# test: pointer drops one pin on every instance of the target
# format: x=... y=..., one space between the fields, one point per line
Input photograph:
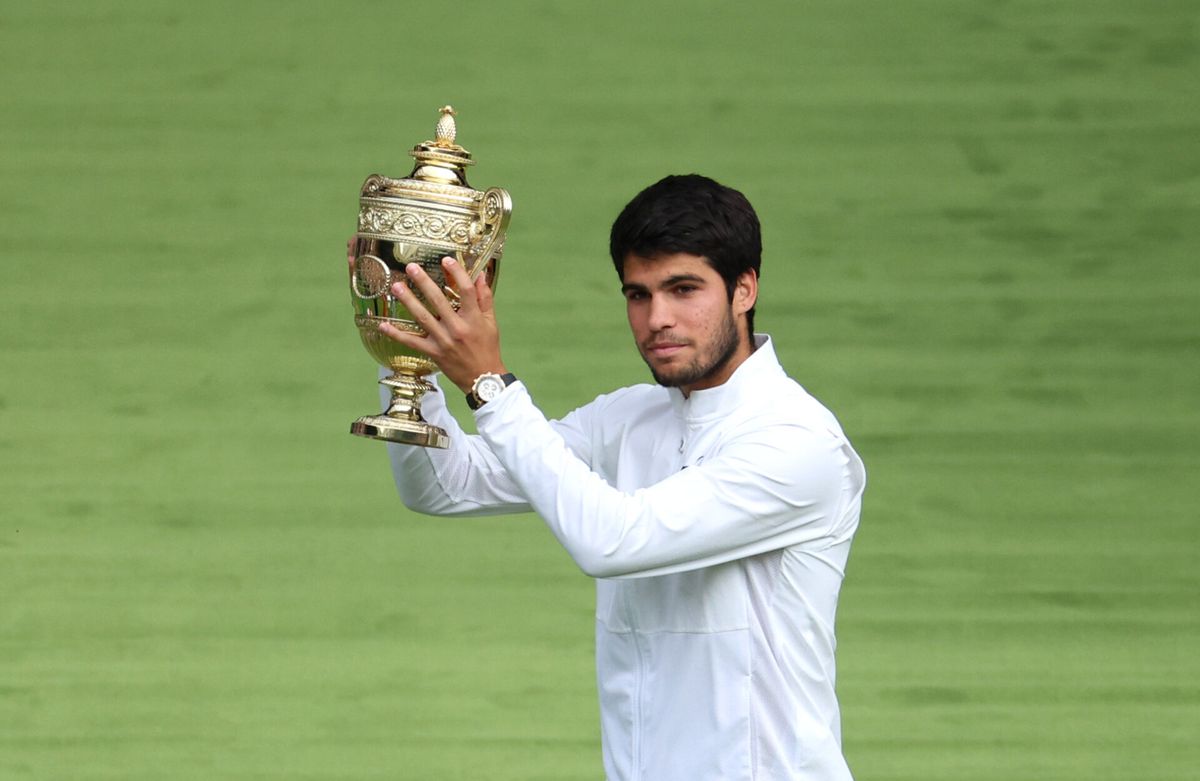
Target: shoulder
x=797 y=431
x=779 y=400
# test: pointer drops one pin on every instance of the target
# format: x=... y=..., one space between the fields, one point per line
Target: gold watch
x=487 y=387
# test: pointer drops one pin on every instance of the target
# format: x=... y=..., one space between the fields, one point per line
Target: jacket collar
x=741 y=386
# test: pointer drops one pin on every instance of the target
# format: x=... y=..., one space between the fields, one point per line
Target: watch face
x=489 y=388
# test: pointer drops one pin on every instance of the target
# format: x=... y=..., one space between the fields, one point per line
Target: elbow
x=596 y=564
x=600 y=554
x=420 y=499
x=598 y=570
x=416 y=506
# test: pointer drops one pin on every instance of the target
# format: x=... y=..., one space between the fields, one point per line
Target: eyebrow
x=666 y=283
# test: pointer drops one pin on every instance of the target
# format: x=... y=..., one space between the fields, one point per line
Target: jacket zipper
x=635 y=763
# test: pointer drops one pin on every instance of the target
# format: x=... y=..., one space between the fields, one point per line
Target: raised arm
x=775 y=486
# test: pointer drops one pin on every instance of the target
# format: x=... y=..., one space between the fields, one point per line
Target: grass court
x=981 y=228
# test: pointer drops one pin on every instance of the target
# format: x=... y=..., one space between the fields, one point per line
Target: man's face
x=688 y=331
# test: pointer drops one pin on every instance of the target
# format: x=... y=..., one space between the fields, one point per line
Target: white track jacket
x=717 y=527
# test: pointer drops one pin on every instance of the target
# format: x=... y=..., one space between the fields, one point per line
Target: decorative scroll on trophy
x=422 y=218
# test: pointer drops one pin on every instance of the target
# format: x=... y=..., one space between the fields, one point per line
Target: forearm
x=463 y=479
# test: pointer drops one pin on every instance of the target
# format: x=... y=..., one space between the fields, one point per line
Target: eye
x=635 y=295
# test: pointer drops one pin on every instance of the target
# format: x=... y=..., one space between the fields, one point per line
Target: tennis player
x=715 y=507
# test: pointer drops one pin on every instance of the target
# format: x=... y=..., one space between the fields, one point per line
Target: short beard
x=702 y=368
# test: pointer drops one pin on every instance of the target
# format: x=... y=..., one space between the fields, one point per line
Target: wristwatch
x=487 y=387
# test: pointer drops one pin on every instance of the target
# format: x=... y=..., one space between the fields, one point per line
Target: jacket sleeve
x=769 y=487
x=465 y=479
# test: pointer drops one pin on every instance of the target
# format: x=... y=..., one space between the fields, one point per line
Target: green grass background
x=982 y=225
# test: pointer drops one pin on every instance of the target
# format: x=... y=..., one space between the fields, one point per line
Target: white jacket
x=718 y=527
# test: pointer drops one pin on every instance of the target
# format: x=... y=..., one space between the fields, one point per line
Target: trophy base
x=404 y=432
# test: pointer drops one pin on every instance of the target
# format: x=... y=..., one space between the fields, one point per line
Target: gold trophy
x=422 y=218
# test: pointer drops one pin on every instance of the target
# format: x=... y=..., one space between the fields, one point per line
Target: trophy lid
x=441 y=160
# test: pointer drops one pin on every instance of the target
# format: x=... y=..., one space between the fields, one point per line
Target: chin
x=670 y=379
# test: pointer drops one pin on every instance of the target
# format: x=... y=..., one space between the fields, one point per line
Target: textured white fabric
x=718 y=527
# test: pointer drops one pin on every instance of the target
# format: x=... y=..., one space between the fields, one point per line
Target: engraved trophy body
x=422 y=218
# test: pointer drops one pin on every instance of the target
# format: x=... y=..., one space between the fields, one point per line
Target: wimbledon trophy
x=422 y=218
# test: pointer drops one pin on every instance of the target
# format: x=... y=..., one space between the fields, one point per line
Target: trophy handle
x=496 y=211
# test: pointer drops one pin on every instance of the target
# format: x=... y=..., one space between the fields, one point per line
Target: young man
x=715 y=508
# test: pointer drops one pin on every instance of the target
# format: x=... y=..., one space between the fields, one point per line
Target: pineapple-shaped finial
x=446 y=130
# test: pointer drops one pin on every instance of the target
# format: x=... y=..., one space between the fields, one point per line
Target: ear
x=745 y=292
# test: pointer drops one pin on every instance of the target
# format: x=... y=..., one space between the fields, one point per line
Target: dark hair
x=692 y=214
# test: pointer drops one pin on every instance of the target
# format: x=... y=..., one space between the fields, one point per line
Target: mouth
x=664 y=349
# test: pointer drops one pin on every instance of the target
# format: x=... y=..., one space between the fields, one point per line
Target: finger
x=435 y=299
x=462 y=282
x=419 y=311
x=350 y=254
x=483 y=293
x=406 y=338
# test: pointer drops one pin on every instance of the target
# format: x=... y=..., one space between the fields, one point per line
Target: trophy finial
x=442 y=160
x=446 y=129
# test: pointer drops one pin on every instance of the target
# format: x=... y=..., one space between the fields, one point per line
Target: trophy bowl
x=428 y=215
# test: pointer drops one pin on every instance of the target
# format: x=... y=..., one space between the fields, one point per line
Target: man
x=715 y=509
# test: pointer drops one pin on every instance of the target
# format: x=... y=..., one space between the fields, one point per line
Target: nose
x=661 y=315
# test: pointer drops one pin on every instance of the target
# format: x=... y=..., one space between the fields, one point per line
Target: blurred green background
x=982 y=225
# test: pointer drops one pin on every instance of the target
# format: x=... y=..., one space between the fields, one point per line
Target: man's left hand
x=464 y=343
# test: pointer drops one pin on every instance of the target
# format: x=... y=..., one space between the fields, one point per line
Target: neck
x=742 y=349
